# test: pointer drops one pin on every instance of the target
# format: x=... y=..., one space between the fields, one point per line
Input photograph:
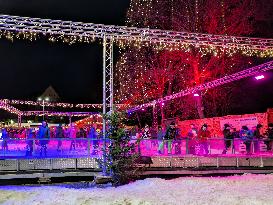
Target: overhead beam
x=212 y=84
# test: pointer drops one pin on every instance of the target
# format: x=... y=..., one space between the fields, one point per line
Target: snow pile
x=236 y=190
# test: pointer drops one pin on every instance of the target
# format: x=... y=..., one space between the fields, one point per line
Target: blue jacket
x=160 y=135
x=93 y=133
x=44 y=133
x=246 y=134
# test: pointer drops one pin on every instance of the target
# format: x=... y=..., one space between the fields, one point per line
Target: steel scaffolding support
x=108 y=88
x=221 y=81
x=83 y=31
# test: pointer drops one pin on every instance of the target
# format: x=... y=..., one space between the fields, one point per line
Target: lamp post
x=43 y=100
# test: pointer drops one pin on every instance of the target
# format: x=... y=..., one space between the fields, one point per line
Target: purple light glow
x=196 y=95
x=259 y=77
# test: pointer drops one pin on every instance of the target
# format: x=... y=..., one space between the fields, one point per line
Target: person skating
x=59 y=135
x=203 y=136
x=169 y=137
x=228 y=137
x=5 y=137
x=43 y=135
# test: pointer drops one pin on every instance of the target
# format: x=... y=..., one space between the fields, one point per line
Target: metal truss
x=108 y=87
x=215 y=83
x=123 y=33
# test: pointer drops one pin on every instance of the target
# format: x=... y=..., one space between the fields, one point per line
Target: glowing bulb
x=259 y=77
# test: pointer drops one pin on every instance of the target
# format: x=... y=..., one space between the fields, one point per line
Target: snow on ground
x=235 y=190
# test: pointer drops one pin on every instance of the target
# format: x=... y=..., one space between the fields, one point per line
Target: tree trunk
x=162 y=115
x=199 y=100
x=199 y=106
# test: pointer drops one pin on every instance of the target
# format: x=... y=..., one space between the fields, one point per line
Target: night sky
x=75 y=72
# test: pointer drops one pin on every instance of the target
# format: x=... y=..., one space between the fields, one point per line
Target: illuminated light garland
x=227 y=79
x=64 y=114
x=12 y=27
x=52 y=104
x=9 y=108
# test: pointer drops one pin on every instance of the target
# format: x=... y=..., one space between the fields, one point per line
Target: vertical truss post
x=108 y=87
x=19 y=120
x=155 y=117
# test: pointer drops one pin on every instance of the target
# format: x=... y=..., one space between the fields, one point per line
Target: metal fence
x=80 y=148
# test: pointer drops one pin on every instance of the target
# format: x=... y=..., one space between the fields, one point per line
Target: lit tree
x=146 y=73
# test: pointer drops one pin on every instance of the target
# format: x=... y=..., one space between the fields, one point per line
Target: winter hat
x=205 y=125
x=226 y=126
x=244 y=127
x=259 y=126
x=173 y=123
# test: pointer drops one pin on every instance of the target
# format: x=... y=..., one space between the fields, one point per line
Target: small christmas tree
x=120 y=155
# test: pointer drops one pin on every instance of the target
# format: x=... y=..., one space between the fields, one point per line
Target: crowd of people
x=41 y=136
x=198 y=138
x=169 y=137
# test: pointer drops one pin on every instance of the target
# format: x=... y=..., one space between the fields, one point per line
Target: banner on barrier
x=239 y=122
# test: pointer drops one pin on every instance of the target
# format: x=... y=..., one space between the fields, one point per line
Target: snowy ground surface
x=235 y=190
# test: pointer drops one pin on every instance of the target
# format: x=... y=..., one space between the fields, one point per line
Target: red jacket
x=203 y=135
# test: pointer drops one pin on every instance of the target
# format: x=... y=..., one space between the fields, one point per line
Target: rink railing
x=86 y=147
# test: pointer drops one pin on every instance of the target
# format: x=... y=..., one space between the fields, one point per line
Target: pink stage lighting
x=259 y=77
x=196 y=95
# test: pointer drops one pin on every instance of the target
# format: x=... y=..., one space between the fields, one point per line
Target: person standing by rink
x=203 y=136
x=147 y=137
x=73 y=136
x=247 y=136
x=93 y=136
x=228 y=137
x=59 y=134
x=43 y=135
x=169 y=137
x=5 y=137
x=160 y=137
x=30 y=136
x=269 y=135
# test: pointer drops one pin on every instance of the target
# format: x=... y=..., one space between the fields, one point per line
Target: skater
x=203 y=136
x=5 y=137
x=228 y=138
x=59 y=134
x=247 y=136
x=169 y=137
x=93 y=136
x=73 y=136
x=269 y=135
x=43 y=135
x=30 y=135
x=146 y=136
x=160 y=137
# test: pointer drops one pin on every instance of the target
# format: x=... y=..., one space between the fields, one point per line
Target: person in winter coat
x=160 y=137
x=43 y=135
x=170 y=135
x=73 y=136
x=269 y=135
x=30 y=136
x=203 y=136
x=146 y=136
x=228 y=137
x=5 y=137
x=93 y=136
x=59 y=134
x=247 y=136
x=257 y=137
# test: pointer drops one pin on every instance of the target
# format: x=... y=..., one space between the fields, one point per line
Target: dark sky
x=28 y=68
